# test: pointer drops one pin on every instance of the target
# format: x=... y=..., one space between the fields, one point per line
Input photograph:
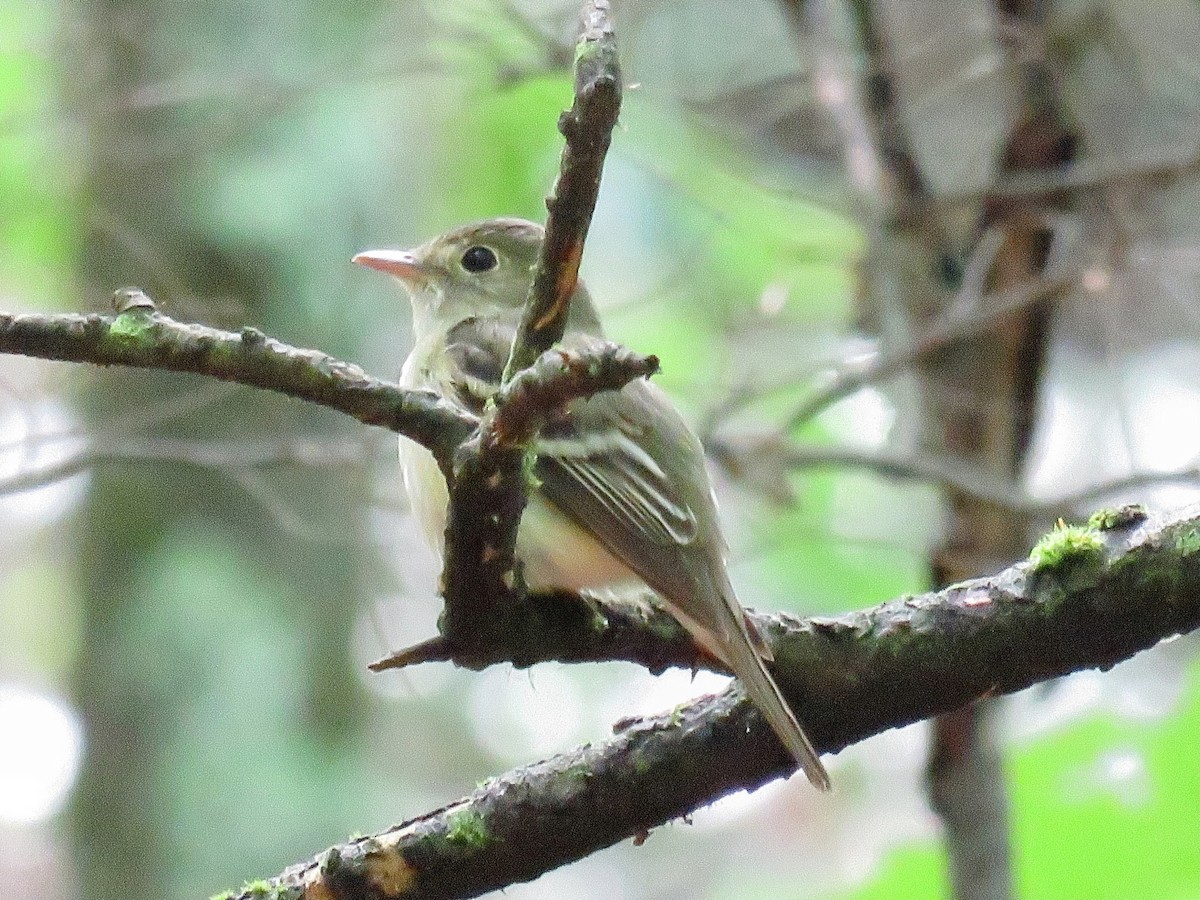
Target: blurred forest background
x=194 y=575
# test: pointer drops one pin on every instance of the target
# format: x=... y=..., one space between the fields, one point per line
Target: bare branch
x=768 y=457
x=568 y=627
x=146 y=339
x=1080 y=175
x=557 y=378
x=482 y=587
x=587 y=127
x=312 y=452
x=953 y=327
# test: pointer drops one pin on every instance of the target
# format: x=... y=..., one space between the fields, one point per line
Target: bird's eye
x=479 y=259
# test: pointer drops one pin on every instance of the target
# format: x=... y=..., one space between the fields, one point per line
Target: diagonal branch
x=953 y=327
x=1092 y=598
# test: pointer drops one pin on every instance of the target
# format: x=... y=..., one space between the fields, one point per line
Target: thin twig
x=739 y=456
x=969 y=314
x=587 y=128
x=1080 y=175
x=849 y=379
x=556 y=379
x=210 y=455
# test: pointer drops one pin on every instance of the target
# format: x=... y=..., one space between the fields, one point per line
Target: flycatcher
x=624 y=493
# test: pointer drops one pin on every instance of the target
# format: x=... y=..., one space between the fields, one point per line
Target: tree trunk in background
x=136 y=230
x=1001 y=370
x=978 y=397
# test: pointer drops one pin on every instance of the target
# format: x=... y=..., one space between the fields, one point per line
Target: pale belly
x=556 y=552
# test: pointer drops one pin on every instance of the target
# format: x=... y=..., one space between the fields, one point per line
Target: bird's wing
x=604 y=456
x=477 y=350
x=622 y=464
x=616 y=455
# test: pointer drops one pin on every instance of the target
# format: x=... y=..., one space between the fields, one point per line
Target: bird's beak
x=400 y=263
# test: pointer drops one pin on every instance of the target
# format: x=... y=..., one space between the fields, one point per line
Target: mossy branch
x=1085 y=603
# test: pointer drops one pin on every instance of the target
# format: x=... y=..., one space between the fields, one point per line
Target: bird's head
x=479 y=270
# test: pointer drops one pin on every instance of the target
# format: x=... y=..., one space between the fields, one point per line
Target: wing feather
x=622 y=464
x=619 y=474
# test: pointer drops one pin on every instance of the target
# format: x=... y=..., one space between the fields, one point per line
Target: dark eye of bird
x=479 y=259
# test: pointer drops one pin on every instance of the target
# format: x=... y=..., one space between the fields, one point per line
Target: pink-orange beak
x=401 y=263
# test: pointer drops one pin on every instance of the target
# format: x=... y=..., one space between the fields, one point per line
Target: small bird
x=624 y=494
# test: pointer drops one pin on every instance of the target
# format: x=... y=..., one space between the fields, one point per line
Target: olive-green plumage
x=624 y=493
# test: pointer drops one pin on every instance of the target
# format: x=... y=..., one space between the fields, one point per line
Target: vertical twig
x=481 y=577
x=587 y=127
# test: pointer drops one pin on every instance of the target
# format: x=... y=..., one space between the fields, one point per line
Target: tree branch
x=556 y=379
x=762 y=462
x=1090 y=599
x=482 y=586
x=485 y=598
x=145 y=339
x=569 y=627
x=587 y=128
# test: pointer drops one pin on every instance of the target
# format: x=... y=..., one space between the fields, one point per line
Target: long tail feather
x=726 y=634
x=751 y=670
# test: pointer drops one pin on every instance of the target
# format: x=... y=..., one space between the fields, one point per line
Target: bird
x=622 y=495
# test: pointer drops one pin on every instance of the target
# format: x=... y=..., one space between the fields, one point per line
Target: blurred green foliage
x=910 y=872
x=37 y=207
x=498 y=153
x=232 y=158
x=1081 y=833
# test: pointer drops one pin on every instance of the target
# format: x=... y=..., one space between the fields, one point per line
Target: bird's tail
x=751 y=670
x=731 y=637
